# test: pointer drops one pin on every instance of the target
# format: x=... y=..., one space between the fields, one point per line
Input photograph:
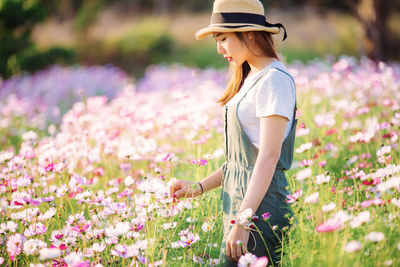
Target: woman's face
x=231 y=47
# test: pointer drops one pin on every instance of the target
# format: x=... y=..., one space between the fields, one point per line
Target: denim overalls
x=241 y=156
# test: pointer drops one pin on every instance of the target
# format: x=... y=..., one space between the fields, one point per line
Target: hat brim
x=200 y=34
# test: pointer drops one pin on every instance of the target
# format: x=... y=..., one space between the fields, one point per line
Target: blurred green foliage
x=87 y=15
x=17 y=51
x=148 y=42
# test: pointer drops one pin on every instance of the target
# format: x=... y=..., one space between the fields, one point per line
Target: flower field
x=88 y=185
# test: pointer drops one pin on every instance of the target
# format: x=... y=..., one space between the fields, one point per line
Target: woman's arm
x=183 y=188
x=272 y=131
x=213 y=180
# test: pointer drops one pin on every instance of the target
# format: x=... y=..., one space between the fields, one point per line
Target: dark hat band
x=244 y=18
x=238 y=17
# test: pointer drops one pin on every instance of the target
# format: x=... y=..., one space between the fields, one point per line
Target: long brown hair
x=266 y=44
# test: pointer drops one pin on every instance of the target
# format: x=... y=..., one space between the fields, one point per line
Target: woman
x=260 y=107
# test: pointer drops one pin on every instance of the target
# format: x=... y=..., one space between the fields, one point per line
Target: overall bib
x=241 y=156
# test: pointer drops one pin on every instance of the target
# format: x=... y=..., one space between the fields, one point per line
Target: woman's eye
x=223 y=39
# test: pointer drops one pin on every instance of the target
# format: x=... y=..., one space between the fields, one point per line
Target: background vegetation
x=135 y=33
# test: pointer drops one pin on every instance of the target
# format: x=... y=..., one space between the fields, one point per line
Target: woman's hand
x=181 y=188
x=236 y=244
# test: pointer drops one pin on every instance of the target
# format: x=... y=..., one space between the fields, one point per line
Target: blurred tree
x=87 y=15
x=62 y=9
x=17 y=52
x=373 y=15
x=162 y=6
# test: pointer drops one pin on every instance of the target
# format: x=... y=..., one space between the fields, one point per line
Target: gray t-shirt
x=274 y=94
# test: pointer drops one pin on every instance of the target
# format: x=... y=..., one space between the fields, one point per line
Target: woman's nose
x=220 y=49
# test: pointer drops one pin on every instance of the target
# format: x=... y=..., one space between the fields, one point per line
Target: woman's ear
x=251 y=39
x=250 y=36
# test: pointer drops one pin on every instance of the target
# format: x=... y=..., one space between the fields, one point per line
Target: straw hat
x=239 y=16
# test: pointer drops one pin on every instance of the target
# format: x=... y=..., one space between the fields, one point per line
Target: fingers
x=177 y=185
x=180 y=193
x=234 y=251
x=228 y=251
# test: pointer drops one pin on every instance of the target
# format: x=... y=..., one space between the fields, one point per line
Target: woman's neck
x=258 y=63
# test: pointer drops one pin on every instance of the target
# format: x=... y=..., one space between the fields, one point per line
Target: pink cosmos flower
x=14 y=245
x=80 y=227
x=35 y=229
x=27 y=152
x=99 y=171
x=306 y=163
x=120 y=250
x=251 y=260
x=115 y=208
x=126 y=192
x=295 y=196
x=322 y=163
x=329 y=226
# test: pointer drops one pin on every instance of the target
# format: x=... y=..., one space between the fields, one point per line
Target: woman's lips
x=229 y=58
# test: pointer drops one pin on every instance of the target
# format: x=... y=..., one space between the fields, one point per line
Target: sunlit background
x=132 y=34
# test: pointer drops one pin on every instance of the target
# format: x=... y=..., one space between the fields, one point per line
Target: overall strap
x=255 y=82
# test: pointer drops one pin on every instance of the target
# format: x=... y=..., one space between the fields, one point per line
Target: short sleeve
x=276 y=95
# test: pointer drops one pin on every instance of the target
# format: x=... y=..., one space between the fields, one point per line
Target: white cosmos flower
x=390 y=183
x=129 y=181
x=374 y=236
x=207 y=226
x=388 y=262
x=31 y=135
x=353 y=246
x=72 y=258
x=218 y=153
x=329 y=207
x=167 y=226
x=303 y=174
x=361 y=218
x=122 y=227
x=396 y=202
x=98 y=247
x=247 y=259
x=12 y=226
x=49 y=253
x=312 y=199
x=322 y=179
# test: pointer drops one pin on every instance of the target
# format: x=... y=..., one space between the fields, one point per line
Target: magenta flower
x=169 y=156
x=200 y=162
x=266 y=216
x=49 y=167
x=295 y=196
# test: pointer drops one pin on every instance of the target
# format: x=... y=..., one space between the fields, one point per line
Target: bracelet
x=245 y=219
x=202 y=190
